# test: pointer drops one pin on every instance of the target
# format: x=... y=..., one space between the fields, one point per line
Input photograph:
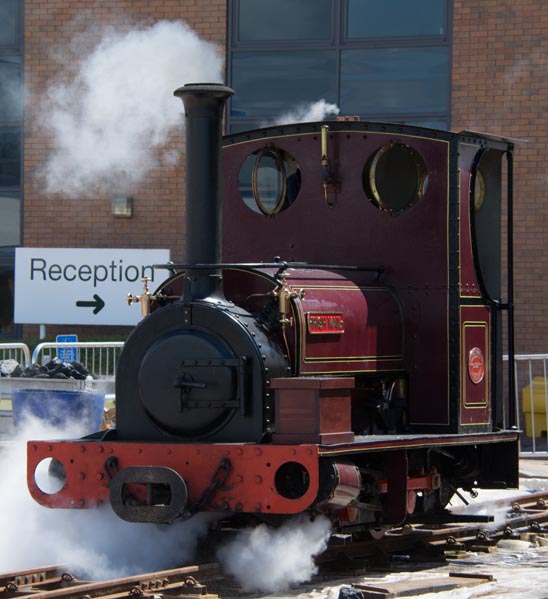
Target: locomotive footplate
x=161 y=482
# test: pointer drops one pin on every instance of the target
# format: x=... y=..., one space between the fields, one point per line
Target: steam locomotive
x=333 y=342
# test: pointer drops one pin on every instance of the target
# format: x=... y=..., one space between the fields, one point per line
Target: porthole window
x=269 y=181
x=478 y=189
x=395 y=178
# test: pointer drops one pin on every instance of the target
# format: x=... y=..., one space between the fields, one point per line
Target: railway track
x=459 y=531
x=56 y=582
x=526 y=514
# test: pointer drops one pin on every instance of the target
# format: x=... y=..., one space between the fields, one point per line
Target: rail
x=15 y=351
x=99 y=357
x=531 y=393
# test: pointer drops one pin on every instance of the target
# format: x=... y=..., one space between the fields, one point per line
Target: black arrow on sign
x=97 y=303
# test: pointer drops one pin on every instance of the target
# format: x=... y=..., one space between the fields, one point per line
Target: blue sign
x=67 y=354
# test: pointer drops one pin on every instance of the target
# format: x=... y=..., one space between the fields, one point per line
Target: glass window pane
x=395 y=81
x=9 y=22
x=10 y=157
x=268 y=84
x=265 y=20
x=396 y=18
x=7 y=327
x=11 y=95
x=10 y=220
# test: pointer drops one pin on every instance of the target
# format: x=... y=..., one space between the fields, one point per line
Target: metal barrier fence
x=531 y=389
x=99 y=357
x=15 y=351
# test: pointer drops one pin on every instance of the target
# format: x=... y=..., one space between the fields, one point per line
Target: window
x=10 y=219
x=264 y=20
x=11 y=126
x=395 y=178
x=371 y=19
x=394 y=81
x=10 y=88
x=10 y=23
x=269 y=181
x=268 y=83
x=386 y=61
x=10 y=157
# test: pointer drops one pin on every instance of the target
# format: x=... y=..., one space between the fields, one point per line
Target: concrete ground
x=533 y=466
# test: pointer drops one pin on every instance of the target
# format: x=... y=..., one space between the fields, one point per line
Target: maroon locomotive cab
x=481 y=267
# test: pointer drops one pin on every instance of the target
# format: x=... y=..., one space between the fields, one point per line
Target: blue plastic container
x=59 y=407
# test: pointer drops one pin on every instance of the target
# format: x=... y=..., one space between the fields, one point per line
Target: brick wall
x=500 y=86
x=54 y=29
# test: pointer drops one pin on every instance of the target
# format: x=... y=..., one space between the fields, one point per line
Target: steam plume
x=109 y=119
x=272 y=560
x=95 y=544
x=306 y=113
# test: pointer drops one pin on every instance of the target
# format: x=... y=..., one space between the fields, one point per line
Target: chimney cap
x=205 y=88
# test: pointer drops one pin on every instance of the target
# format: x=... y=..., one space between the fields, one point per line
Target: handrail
x=12 y=348
x=86 y=345
x=541 y=361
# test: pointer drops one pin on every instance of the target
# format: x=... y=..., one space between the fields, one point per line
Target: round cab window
x=269 y=181
x=395 y=178
x=478 y=190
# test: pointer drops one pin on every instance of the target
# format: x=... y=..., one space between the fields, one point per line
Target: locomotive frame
x=261 y=387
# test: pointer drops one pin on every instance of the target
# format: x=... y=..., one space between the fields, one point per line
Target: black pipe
x=204 y=104
x=512 y=417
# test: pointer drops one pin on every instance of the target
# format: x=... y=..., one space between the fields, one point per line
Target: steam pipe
x=204 y=104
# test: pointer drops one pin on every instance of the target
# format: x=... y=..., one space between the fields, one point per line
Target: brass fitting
x=285 y=294
x=145 y=298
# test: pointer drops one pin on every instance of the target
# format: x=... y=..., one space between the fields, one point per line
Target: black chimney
x=204 y=104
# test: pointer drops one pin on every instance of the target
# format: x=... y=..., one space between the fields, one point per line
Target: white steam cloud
x=110 y=119
x=273 y=560
x=95 y=544
x=306 y=113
